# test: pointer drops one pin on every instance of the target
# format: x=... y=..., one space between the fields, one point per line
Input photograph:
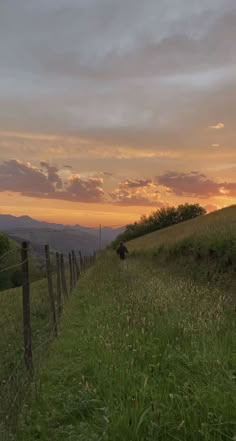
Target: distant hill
x=60 y=237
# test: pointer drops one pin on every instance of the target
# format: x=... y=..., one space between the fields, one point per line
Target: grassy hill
x=204 y=247
x=145 y=353
x=214 y=228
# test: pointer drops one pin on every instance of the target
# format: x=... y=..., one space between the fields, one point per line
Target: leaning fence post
x=59 y=293
x=28 y=356
x=71 y=273
x=50 y=290
x=63 y=276
x=75 y=267
x=81 y=261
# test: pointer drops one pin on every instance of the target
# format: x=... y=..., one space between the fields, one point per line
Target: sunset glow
x=110 y=110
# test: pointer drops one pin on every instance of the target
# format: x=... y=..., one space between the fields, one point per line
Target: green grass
x=216 y=230
x=204 y=248
x=14 y=379
x=13 y=376
x=142 y=356
x=13 y=277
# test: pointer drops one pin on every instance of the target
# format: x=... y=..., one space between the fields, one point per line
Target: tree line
x=161 y=218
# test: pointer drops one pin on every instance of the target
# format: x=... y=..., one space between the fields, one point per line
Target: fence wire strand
x=14 y=250
x=13 y=266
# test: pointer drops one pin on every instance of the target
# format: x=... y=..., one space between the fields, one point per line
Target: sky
x=112 y=109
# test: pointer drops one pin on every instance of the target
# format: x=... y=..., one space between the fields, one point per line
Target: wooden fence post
x=50 y=290
x=59 y=293
x=28 y=356
x=81 y=261
x=77 y=268
x=63 y=276
x=74 y=268
x=71 y=272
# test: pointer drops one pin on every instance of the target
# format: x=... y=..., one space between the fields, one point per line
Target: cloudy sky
x=110 y=109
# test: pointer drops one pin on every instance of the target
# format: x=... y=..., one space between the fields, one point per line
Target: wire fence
x=29 y=317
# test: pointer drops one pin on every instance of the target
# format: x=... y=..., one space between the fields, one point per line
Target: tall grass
x=14 y=378
x=142 y=356
x=204 y=248
x=213 y=229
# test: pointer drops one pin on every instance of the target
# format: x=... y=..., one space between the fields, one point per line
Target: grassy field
x=143 y=355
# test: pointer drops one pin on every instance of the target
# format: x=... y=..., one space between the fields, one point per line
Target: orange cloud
x=137 y=192
x=218 y=126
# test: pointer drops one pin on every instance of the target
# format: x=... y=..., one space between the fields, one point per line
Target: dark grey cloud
x=19 y=177
x=118 y=38
x=104 y=63
x=132 y=80
x=52 y=174
x=22 y=177
x=28 y=180
x=195 y=184
x=86 y=190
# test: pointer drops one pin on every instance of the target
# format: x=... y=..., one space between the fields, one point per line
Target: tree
x=189 y=211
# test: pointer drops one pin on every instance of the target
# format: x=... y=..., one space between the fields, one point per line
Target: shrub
x=162 y=218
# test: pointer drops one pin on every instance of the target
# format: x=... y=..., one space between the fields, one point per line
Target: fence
x=29 y=318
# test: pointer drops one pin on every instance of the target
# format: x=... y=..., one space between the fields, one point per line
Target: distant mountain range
x=59 y=237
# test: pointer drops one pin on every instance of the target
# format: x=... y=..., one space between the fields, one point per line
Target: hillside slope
x=203 y=248
x=221 y=223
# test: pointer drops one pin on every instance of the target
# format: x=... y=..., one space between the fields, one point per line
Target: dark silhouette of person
x=122 y=251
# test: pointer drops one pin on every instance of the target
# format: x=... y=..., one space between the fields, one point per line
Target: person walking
x=122 y=252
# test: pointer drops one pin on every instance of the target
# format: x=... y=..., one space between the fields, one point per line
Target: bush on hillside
x=162 y=218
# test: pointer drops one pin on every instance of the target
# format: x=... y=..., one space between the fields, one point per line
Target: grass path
x=141 y=356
